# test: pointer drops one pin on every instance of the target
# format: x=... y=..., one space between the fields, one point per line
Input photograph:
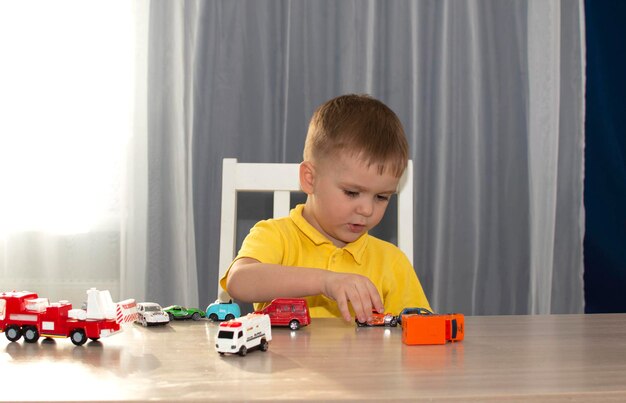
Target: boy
x=354 y=155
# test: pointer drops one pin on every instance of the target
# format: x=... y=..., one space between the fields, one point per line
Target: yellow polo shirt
x=292 y=241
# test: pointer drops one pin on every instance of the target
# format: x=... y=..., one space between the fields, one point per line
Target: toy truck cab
x=292 y=312
x=239 y=335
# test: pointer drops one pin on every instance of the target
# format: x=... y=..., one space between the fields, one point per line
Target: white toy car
x=150 y=314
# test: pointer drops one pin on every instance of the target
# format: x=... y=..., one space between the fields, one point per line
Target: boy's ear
x=307 y=177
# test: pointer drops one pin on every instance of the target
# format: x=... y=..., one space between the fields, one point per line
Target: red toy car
x=292 y=312
x=380 y=319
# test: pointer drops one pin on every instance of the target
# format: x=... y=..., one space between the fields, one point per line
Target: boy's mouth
x=356 y=228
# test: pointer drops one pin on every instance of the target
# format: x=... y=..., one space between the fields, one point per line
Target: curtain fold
x=159 y=249
x=543 y=154
x=491 y=97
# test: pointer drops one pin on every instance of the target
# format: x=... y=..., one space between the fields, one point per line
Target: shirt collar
x=356 y=248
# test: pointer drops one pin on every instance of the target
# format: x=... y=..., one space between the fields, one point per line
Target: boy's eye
x=382 y=197
x=350 y=193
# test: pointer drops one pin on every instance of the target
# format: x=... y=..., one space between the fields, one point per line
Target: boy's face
x=346 y=198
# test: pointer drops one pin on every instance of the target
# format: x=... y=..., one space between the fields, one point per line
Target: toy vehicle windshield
x=226 y=334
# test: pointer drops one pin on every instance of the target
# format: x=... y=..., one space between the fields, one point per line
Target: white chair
x=281 y=179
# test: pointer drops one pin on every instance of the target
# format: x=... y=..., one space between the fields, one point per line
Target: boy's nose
x=365 y=208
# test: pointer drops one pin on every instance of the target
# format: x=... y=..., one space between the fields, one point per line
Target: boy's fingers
x=361 y=304
x=359 y=292
x=377 y=302
x=342 y=304
x=370 y=299
x=356 y=305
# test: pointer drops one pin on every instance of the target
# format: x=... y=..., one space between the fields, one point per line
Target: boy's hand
x=356 y=289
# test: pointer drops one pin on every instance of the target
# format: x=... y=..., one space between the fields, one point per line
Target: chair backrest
x=282 y=179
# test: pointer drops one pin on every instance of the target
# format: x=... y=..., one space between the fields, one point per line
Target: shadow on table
x=284 y=352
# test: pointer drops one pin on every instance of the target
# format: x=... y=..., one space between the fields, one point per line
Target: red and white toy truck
x=24 y=313
x=237 y=336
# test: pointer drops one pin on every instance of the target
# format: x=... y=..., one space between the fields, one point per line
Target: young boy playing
x=354 y=155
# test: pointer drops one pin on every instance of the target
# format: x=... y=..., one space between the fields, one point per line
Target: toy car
x=180 y=312
x=223 y=310
x=292 y=312
x=150 y=314
x=379 y=319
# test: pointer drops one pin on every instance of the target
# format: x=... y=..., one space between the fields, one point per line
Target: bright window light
x=66 y=88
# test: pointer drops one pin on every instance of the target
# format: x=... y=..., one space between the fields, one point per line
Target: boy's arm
x=251 y=281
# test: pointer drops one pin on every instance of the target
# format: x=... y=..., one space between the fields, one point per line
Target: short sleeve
x=264 y=243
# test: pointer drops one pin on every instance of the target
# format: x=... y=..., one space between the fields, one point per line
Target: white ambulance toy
x=239 y=335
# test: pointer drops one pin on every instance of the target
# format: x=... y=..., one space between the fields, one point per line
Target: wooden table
x=513 y=358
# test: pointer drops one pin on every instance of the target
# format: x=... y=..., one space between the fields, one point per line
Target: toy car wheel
x=361 y=324
x=213 y=317
x=13 y=333
x=195 y=316
x=230 y=316
x=294 y=325
x=144 y=322
x=393 y=322
x=78 y=337
x=31 y=334
x=171 y=316
x=243 y=351
x=264 y=345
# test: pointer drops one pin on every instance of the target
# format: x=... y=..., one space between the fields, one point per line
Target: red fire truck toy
x=24 y=313
x=429 y=328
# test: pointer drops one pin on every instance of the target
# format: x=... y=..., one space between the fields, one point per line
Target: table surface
x=512 y=358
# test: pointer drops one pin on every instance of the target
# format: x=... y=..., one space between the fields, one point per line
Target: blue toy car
x=223 y=311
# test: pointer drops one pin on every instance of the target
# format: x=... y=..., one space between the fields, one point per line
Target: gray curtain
x=491 y=97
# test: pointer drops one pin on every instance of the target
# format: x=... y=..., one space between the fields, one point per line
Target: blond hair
x=362 y=126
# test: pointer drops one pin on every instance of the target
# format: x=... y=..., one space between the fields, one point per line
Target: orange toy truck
x=429 y=328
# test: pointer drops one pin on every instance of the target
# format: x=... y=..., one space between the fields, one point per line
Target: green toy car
x=180 y=312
